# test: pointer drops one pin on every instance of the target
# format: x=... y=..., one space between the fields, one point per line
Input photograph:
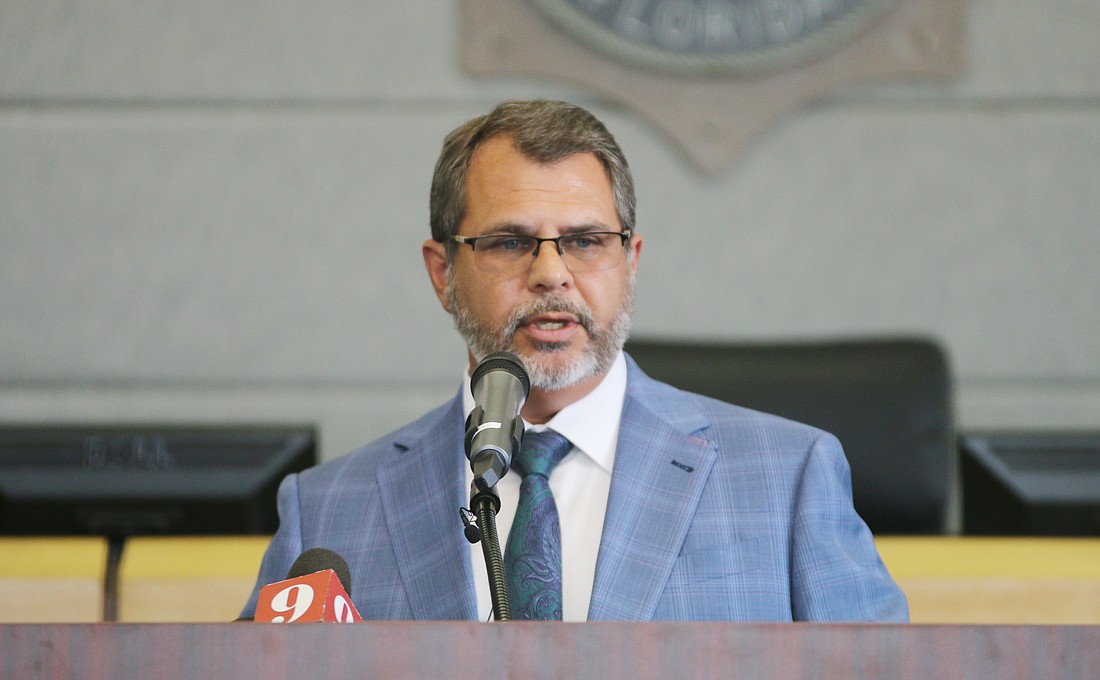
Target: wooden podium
x=635 y=651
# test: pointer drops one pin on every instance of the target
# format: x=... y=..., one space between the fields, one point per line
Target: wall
x=212 y=212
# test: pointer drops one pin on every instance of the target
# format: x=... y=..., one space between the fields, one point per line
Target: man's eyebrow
x=527 y=230
x=582 y=228
x=510 y=228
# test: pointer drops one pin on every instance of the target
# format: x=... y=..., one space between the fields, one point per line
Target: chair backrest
x=887 y=400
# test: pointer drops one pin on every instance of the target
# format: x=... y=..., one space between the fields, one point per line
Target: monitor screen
x=1039 y=484
x=140 y=480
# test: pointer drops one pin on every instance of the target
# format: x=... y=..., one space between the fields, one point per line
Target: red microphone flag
x=313 y=598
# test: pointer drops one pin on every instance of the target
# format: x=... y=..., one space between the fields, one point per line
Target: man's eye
x=507 y=244
x=585 y=241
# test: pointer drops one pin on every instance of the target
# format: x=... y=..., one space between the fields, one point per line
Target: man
x=672 y=506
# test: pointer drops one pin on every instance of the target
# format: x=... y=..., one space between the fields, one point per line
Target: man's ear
x=635 y=246
x=435 y=261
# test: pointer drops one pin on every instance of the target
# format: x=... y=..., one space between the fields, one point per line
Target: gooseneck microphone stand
x=484 y=506
x=494 y=430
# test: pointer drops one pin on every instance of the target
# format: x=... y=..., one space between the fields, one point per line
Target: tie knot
x=540 y=452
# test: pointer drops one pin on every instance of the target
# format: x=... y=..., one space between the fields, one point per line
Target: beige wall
x=212 y=212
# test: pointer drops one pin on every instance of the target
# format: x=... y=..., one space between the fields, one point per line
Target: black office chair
x=887 y=400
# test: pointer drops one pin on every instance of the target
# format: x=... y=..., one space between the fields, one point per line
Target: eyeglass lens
x=581 y=252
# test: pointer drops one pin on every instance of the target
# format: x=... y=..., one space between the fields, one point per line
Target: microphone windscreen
x=319 y=559
x=502 y=361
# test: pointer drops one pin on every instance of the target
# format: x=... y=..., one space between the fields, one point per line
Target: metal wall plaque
x=712 y=73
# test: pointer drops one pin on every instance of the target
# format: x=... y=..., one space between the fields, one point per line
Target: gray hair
x=542 y=130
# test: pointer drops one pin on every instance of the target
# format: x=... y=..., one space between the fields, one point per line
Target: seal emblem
x=713 y=37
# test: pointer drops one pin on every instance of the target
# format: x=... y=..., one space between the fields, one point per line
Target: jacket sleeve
x=285 y=546
x=836 y=571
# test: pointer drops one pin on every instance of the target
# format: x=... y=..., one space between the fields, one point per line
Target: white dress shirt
x=580 y=484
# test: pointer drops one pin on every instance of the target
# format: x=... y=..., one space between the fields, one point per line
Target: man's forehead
x=503 y=142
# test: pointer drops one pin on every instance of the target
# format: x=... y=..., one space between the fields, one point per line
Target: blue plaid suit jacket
x=715 y=513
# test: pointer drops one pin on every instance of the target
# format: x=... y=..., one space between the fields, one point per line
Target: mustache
x=523 y=314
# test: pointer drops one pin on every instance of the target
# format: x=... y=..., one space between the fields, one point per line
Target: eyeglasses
x=585 y=251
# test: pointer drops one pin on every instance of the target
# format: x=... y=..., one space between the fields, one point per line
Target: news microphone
x=494 y=428
x=319 y=559
x=316 y=590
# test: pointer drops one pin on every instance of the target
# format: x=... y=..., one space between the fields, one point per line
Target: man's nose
x=549 y=269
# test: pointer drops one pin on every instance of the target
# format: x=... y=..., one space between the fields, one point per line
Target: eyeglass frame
x=471 y=241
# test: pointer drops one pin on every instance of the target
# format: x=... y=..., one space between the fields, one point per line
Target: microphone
x=494 y=428
x=319 y=559
x=316 y=590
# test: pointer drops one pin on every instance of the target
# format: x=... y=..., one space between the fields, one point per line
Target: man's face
x=566 y=327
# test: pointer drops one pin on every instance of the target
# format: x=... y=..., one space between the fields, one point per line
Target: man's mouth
x=550 y=321
x=550 y=325
x=554 y=329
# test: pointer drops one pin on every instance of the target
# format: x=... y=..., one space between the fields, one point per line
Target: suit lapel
x=662 y=462
x=432 y=556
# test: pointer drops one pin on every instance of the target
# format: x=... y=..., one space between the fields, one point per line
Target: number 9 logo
x=296 y=599
x=342 y=609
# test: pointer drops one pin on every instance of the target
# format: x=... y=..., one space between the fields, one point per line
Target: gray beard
x=603 y=347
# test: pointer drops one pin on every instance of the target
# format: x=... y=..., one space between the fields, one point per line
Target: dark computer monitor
x=1031 y=484
x=142 y=480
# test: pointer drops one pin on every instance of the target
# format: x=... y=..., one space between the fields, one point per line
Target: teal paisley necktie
x=532 y=558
